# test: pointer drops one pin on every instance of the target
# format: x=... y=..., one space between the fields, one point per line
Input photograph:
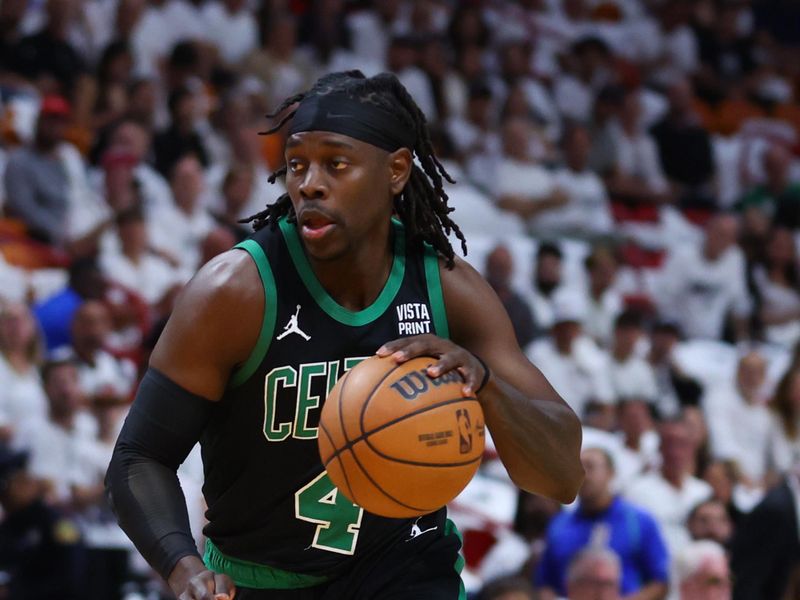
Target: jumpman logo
x=293 y=327
x=416 y=531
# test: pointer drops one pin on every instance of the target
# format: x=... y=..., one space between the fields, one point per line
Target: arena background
x=628 y=182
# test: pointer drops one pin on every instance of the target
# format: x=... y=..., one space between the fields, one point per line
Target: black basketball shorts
x=424 y=566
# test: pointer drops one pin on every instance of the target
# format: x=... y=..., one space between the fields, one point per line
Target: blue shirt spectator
x=55 y=314
x=86 y=282
x=603 y=519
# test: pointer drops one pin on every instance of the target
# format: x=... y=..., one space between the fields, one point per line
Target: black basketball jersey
x=270 y=501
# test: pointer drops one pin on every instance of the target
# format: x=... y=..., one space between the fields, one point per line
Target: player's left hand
x=451 y=357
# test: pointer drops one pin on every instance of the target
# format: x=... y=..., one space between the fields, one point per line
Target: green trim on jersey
x=450 y=527
x=435 y=295
x=324 y=300
x=255 y=576
x=249 y=366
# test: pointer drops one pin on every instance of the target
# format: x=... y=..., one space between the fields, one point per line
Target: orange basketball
x=397 y=442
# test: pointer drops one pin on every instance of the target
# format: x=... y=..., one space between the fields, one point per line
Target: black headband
x=339 y=113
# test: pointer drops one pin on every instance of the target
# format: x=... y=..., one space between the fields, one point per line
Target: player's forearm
x=147 y=499
x=537 y=440
x=163 y=424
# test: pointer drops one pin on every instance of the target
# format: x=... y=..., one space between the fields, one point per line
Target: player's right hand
x=190 y=580
x=208 y=585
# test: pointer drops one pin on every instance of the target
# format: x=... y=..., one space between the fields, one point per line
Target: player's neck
x=356 y=279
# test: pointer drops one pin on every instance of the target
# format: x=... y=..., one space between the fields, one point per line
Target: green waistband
x=253 y=575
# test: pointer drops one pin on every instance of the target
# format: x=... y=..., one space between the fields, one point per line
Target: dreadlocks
x=422 y=206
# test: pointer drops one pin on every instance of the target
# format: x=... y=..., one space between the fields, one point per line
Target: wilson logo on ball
x=412 y=384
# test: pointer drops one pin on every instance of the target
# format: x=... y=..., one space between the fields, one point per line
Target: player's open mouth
x=316 y=227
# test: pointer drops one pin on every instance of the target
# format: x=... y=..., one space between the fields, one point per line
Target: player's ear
x=400 y=163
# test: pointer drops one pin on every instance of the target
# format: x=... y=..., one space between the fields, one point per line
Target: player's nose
x=313 y=186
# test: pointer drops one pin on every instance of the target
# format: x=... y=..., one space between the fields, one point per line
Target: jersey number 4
x=337 y=518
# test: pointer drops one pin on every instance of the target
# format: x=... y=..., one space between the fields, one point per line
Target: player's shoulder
x=230 y=275
x=214 y=315
x=469 y=299
x=461 y=276
x=227 y=285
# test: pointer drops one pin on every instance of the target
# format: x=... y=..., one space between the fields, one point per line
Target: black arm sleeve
x=163 y=425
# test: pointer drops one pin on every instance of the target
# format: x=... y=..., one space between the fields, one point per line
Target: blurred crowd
x=628 y=183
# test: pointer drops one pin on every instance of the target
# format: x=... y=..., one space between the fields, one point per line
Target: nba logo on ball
x=464 y=431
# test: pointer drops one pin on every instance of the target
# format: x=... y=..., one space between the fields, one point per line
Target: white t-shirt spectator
x=234 y=34
x=632 y=464
x=682 y=50
x=629 y=464
x=633 y=378
x=600 y=315
x=475 y=212
x=417 y=84
x=679 y=53
x=85 y=208
x=578 y=377
x=369 y=36
x=669 y=505
x=85 y=216
x=186 y=20
x=64 y=457
x=108 y=373
x=573 y=98
x=160 y=28
x=151 y=277
x=526 y=180
x=262 y=192
x=151 y=40
x=468 y=138
x=541 y=101
x=21 y=395
x=783 y=451
x=554 y=29
x=544 y=307
x=636 y=39
x=637 y=156
x=738 y=430
x=779 y=299
x=587 y=211
x=698 y=293
x=153 y=188
x=180 y=235
x=506 y=556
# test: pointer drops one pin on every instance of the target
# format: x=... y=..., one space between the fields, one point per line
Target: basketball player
x=355 y=254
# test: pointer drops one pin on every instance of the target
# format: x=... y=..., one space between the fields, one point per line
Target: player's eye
x=338 y=164
x=295 y=166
